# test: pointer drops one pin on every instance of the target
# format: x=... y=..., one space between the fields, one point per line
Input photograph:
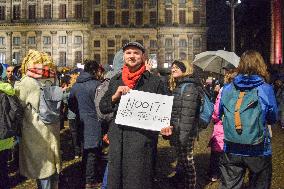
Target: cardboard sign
x=144 y=110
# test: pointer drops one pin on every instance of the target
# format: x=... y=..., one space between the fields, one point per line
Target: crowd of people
x=246 y=106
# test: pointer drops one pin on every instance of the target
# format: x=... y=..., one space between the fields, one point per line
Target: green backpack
x=243 y=117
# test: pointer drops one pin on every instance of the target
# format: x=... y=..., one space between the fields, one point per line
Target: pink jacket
x=217 y=139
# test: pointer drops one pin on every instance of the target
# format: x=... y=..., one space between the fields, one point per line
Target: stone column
x=24 y=10
x=190 y=52
x=103 y=13
x=146 y=43
x=161 y=50
x=117 y=42
x=146 y=19
x=103 y=49
x=69 y=57
x=132 y=12
x=54 y=47
x=38 y=40
x=39 y=9
x=70 y=10
x=161 y=13
x=118 y=13
x=86 y=45
x=9 y=42
x=23 y=44
x=175 y=14
x=176 y=46
x=9 y=11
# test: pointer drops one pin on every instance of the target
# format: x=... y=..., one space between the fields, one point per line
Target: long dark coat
x=132 y=151
x=81 y=101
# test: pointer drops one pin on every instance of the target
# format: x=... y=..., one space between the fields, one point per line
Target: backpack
x=49 y=104
x=242 y=120
x=206 y=107
x=11 y=122
x=100 y=92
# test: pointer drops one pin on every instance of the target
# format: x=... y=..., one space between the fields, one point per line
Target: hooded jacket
x=7 y=89
x=268 y=105
x=81 y=101
x=185 y=110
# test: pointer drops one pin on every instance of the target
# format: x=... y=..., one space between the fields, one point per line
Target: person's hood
x=84 y=76
x=247 y=81
x=7 y=88
x=118 y=61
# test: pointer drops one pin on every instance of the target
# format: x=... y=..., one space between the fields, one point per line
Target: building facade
x=74 y=30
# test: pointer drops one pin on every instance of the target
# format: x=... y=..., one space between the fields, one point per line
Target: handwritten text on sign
x=144 y=110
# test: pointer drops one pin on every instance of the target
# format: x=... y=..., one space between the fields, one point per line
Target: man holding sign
x=132 y=150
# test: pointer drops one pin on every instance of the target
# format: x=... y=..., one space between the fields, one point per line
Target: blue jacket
x=269 y=106
x=81 y=101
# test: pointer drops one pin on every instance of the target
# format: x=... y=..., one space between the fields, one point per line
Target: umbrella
x=214 y=61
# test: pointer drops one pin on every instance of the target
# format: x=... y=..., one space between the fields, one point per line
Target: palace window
x=168 y=42
x=2 y=57
x=168 y=17
x=110 y=18
x=125 y=18
x=110 y=43
x=78 y=57
x=97 y=57
x=182 y=17
x=31 y=40
x=110 y=4
x=182 y=56
x=46 y=40
x=32 y=12
x=125 y=4
x=152 y=3
x=78 y=39
x=62 y=11
x=183 y=43
x=139 y=18
x=16 y=56
x=97 y=18
x=62 y=39
x=153 y=18
x=153 y=44
x=78 y=11
x=97 y=43
x=139 y=4
x=47 y=11
x=16 y=41
x=196 y=42
x=62 y=59
x=2 y=40
x=16 y=12
x=2 y=12
x=196 y=17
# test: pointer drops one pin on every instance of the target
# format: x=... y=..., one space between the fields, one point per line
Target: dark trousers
x=4 y=179
x=233 y=169
x=73 y=125
x=90 y=164
x=214 y=169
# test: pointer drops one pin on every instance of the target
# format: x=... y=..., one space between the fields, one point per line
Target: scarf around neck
x=130 y=79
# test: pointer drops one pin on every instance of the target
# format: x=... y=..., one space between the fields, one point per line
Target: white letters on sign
x=144 y=110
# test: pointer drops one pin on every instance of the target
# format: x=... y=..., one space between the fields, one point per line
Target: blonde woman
x=40 y=143
x=185 y=112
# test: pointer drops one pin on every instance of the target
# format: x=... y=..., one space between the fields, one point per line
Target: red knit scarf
x=130 y=79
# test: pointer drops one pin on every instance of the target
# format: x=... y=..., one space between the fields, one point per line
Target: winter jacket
x=269 y=107
x=6 y=89
x=70 y=114
x=40 y=143
x=81 y=101
x=217 y=139
x=185 y=110
x=132 y=150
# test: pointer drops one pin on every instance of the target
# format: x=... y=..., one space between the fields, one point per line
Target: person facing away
x=216 y=142
x=131 y=149
x=186 y=104
x=40 y=143
x=238 y=156
x=81 y=102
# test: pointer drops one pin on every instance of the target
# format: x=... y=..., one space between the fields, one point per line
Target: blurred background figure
x=10 y=75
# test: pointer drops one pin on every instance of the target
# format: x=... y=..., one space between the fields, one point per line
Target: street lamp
x=233 y=4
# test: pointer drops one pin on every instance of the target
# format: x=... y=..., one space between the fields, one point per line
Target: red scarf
x=130 y=79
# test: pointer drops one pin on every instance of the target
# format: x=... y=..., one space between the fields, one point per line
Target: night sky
x=252 y=20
